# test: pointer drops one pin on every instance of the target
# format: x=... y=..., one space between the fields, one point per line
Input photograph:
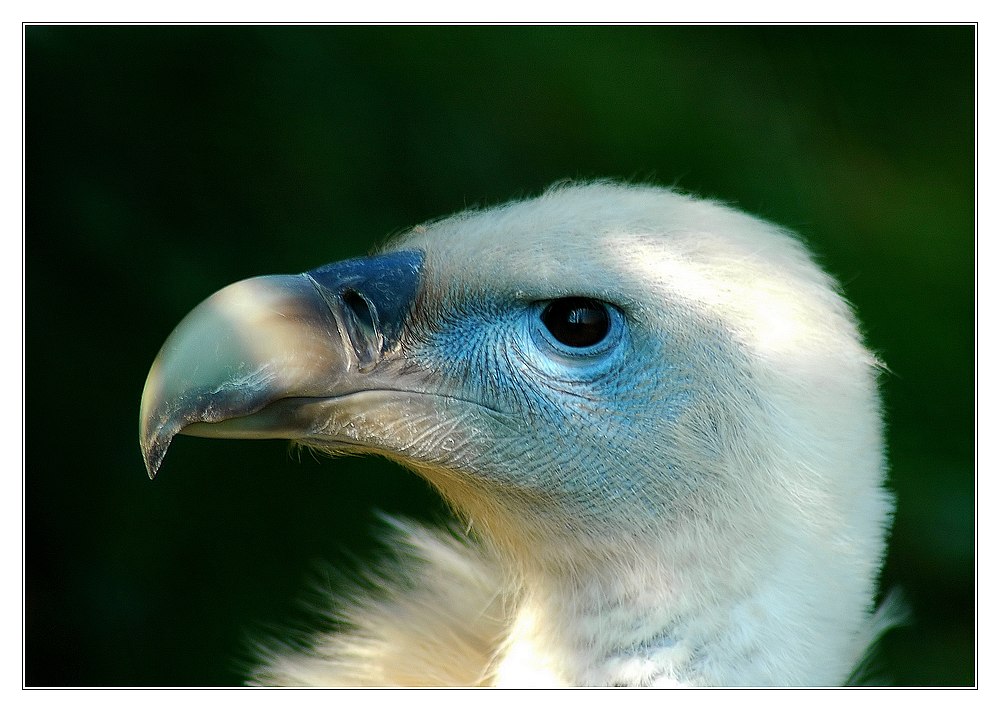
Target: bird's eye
x=577 y=322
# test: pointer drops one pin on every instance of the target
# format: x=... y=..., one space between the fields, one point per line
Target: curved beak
x=251 y=360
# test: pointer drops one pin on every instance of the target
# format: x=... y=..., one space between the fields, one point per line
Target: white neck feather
x=755 y=608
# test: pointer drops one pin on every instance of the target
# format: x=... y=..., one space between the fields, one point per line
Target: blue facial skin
x=499 y=353
x=608 y=396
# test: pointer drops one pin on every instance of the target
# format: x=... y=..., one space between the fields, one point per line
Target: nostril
x=371 y=298
x=363 y=327
x=362 y=313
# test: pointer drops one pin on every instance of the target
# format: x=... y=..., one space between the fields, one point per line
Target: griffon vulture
x=653 y=413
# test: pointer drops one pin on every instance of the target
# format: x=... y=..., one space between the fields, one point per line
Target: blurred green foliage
x=165 y=162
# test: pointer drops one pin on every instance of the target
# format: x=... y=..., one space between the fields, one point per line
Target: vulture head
x=653 y=412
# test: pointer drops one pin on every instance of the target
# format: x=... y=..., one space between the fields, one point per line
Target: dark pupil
x=576 y=321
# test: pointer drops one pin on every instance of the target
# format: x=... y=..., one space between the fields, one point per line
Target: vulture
x=653 y=415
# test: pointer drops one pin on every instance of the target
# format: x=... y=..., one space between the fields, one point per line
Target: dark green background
x=166 y=162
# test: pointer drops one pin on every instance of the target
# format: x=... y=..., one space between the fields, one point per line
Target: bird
x=654 y=417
